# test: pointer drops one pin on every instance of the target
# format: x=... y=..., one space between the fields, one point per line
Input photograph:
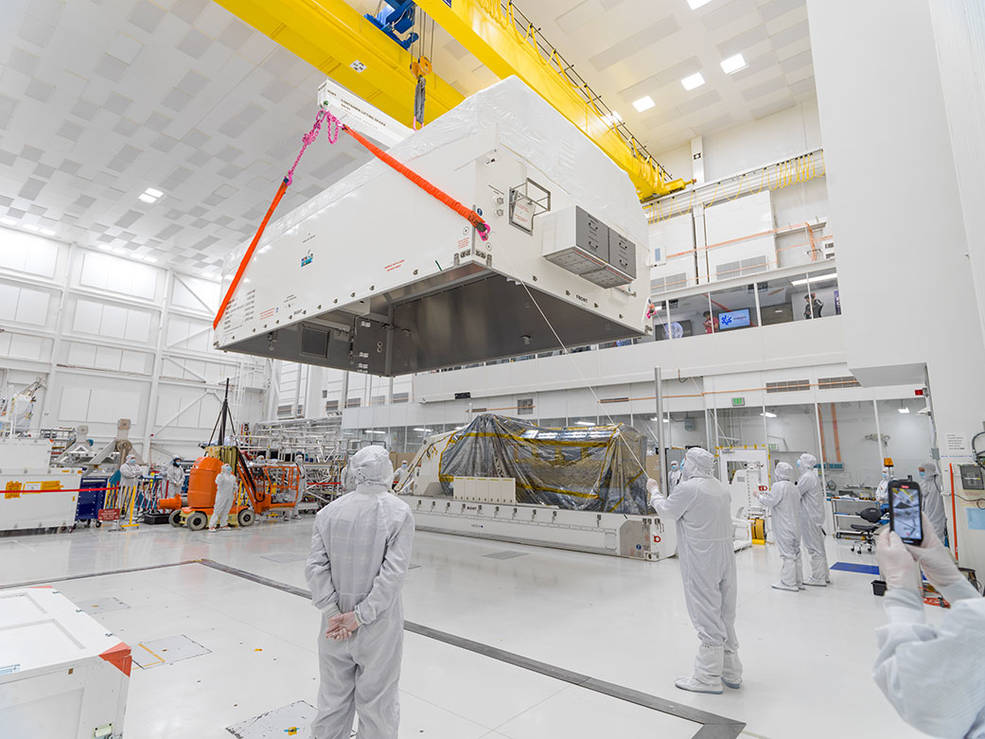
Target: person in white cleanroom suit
x=225 y=494
x=176 y=478
x=934 y=675
x=931 y=498
x=783 y=500
x=347 y=482
x=882 y=489
x=400 y=474
x=674 y=476
x=812 y=519
x=129 y=478
x=360 y=553
x=701 y=506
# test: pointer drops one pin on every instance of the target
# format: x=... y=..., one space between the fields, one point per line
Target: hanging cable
x=565 y=350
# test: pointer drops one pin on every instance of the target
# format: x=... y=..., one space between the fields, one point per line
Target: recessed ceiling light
x=733 y=63
x=145 y=198
x=46 y=231
x=692 y=81
x=767 y=414
x=695 y=4
x=904 y=410
x=584 y=423
x=644 y=103
x=9 y=221
x=819 y=278
x=153 y=192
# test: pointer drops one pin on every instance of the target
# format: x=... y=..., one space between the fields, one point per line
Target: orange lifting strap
x=465 y=212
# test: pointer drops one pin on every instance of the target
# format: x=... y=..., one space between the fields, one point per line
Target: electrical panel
x=585 y=246
x=581 y=244
x=971 y=477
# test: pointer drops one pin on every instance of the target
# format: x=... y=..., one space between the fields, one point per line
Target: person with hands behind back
x=934 y=675
x=360 y=553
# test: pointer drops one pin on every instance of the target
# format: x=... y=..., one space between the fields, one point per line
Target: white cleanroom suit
x=882 y=489
x=701 y=506
x=783 y=500
x=176 y=478
x=130 y=473
x=812 y=520
x=360 y=553
x=225 y=494
x=931 y=499
x=934 y=675
x=674 y=476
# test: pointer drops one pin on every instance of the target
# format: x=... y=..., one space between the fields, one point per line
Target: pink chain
x=310 y=137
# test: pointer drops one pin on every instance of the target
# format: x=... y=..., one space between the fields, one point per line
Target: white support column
x=162 y=326
x=697 y=161
x=46 y=397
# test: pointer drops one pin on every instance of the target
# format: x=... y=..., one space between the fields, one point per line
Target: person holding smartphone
x=934 y=675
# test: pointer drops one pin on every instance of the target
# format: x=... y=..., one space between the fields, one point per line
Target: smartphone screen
x=905 y=509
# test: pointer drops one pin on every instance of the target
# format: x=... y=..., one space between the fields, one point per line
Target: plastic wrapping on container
x=578 y=468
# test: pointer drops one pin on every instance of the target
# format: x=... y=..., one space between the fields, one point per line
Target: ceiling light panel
x=644 y=103
x=693 y=81
x=695 y=4
x=732 y=64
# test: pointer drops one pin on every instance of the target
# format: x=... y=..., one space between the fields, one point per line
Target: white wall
x=898 y=218
x=784 y=134
x=115 y=338
x=901 y=117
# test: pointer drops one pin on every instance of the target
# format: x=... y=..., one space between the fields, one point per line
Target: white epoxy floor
x=808 y=656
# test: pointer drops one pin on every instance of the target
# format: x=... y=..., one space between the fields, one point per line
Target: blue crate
x=92 y=497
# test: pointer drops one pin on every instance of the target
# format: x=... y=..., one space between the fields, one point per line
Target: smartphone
x=905 y=509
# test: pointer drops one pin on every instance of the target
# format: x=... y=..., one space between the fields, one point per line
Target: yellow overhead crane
x=335 y=38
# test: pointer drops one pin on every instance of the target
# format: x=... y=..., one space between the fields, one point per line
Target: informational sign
x=956 y=444
x=738 y=402
x=522 y=213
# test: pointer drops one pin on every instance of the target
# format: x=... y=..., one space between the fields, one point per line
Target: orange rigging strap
x=465 y=212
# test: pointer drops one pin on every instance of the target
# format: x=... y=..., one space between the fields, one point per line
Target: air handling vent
x=830 y=383
x=788 y=386
x=613 y=400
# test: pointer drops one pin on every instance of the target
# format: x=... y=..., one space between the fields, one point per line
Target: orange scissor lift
x=256 y=490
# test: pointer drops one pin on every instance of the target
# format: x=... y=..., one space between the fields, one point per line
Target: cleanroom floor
x=807 y=655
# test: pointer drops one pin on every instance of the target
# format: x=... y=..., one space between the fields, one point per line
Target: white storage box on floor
x=62 y=676
x=376 y=275
x=27 y=500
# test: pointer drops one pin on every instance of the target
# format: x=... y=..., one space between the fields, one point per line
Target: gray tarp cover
x=592 y=468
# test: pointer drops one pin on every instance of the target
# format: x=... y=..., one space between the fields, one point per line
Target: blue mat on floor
x=854 y=567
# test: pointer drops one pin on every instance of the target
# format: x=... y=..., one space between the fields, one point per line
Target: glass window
x=906 y=434
x=777 y=301
x=687 y=316
x=399 y=436
x=820 y=295
x=790 y=430
x=851 y=447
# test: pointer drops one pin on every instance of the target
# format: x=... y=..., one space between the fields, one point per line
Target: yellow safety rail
x=498 y=34
x=333 y=37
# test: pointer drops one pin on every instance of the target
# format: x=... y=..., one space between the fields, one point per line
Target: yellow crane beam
x=489 y=29
x=333 y=37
